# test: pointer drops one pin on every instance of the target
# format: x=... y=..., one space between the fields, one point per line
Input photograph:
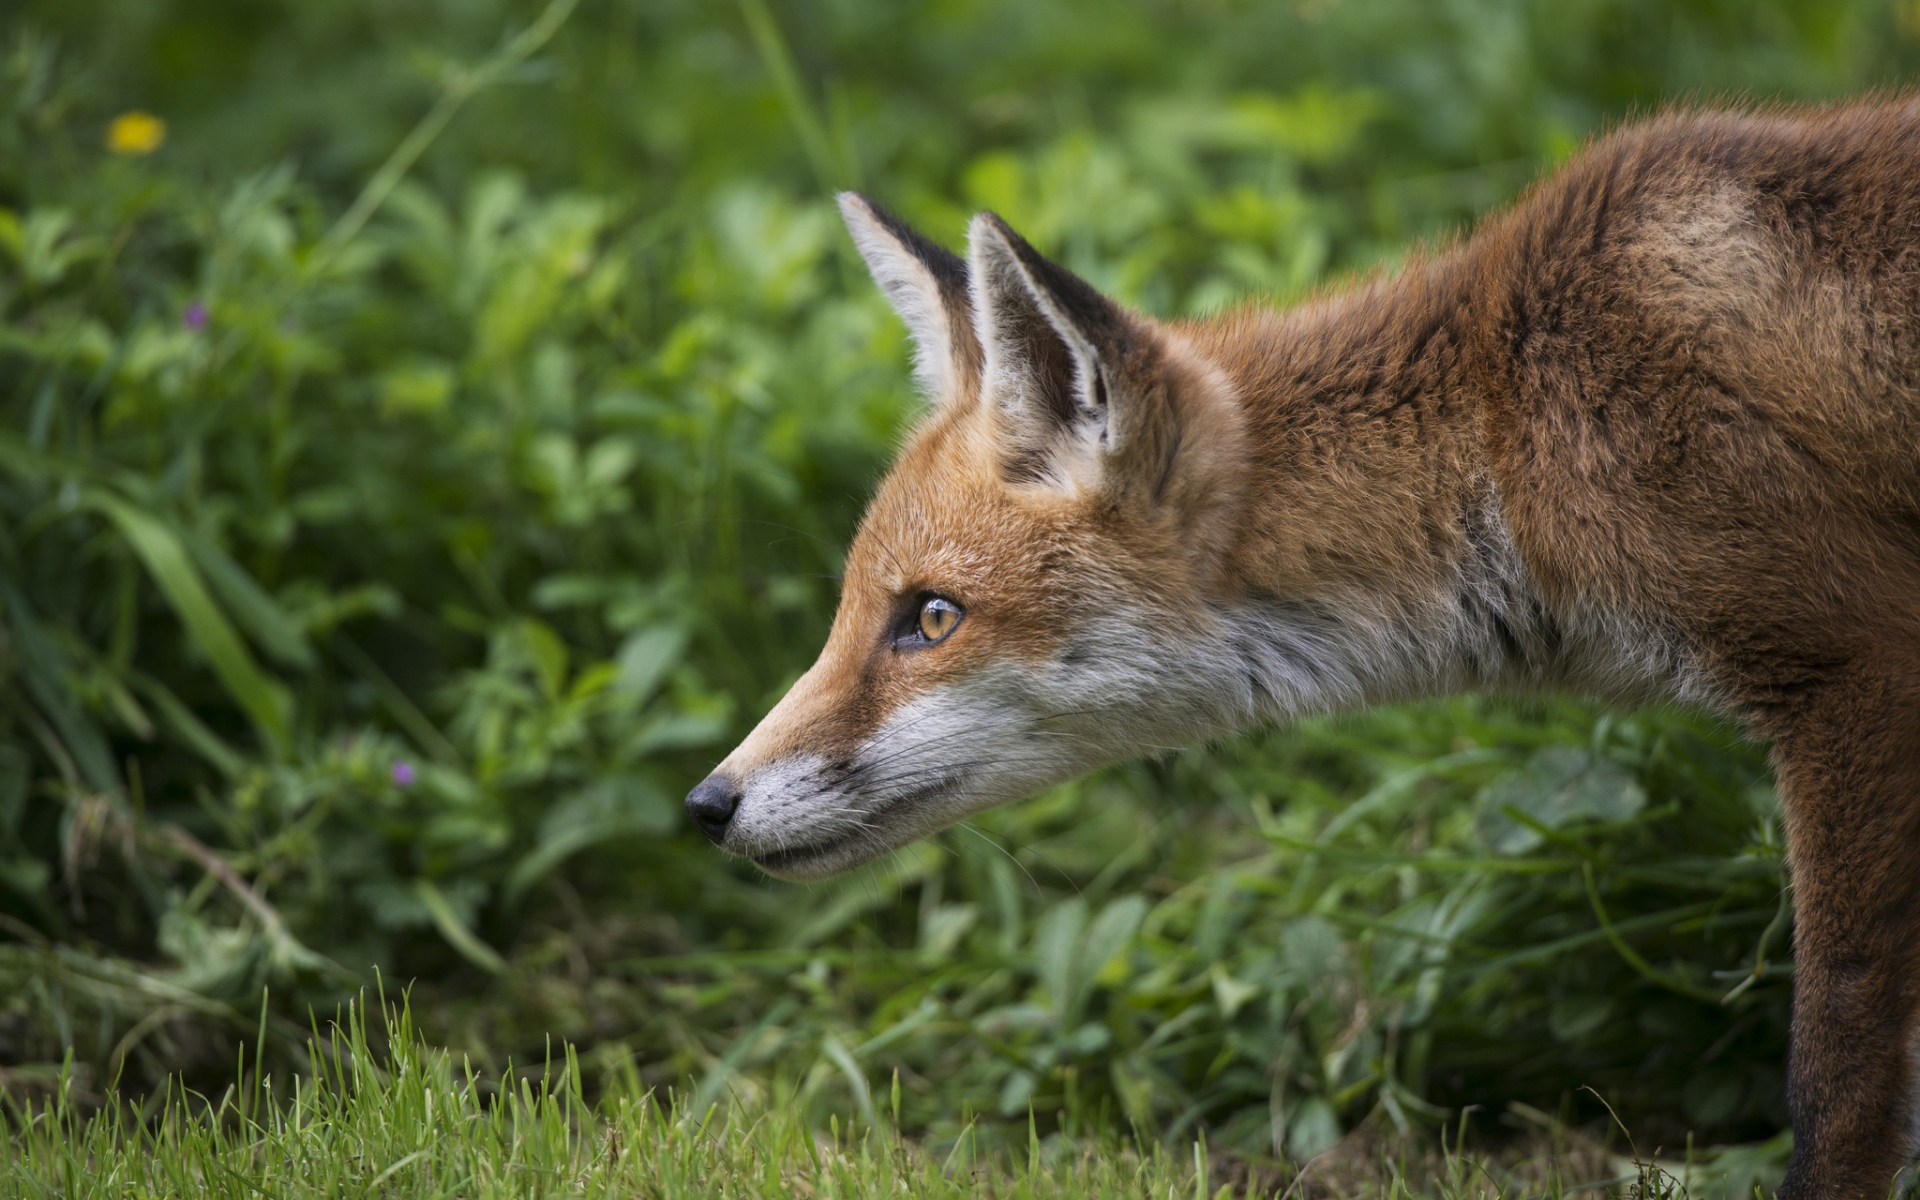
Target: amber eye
x=938 y=617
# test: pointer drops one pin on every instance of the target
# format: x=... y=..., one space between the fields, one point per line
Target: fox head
x=1024 y=597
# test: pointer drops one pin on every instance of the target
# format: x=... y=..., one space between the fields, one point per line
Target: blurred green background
x=421 y=457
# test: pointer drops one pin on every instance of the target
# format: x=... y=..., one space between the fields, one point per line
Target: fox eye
x=938 y=616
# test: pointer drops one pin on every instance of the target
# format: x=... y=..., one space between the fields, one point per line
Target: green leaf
x=1312 y=1130
x=254 y=610
x=1229 y=992
x=674 y=731
x=455 y=930
x=615 y=807
x=1559 y=786
x=190 y=728
x=166 y=558
x=856 y=1078
x=1055 y=943
x=1111 y=932
x=646 y=657
x=44 y=671
x=544 y=652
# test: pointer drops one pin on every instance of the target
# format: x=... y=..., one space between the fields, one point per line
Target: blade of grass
x=1631 y=957
x=455 y=930
x=459 y=87
x=165 y=556
x=252 y=608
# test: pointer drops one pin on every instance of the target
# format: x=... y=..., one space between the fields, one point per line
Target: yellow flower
x=136 y=132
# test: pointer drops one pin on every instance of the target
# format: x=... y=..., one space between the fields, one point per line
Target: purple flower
x=403 y=773
x=195 y=317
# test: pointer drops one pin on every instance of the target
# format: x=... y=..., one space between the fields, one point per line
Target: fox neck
x=1371 y=559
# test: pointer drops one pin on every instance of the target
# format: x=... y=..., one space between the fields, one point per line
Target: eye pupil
x=937 y=618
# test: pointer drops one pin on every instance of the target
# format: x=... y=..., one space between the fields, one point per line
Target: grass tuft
x=381 y=1112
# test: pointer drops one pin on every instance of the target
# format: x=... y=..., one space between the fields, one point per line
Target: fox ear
x=1055 y=348
x=928 y=287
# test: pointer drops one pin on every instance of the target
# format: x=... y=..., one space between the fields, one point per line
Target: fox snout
x=1020 y=603
x=863 y=756
x=711 y=805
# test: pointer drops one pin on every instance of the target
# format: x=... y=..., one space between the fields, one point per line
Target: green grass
x=379 y=1112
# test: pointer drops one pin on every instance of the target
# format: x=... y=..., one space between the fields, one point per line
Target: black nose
x=711 y=804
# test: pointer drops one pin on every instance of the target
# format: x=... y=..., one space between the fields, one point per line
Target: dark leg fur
x=1849 y=767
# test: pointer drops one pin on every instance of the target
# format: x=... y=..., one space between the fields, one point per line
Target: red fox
x=1654 y=433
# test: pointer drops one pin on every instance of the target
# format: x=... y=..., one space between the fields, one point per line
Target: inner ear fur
x=1083 y=389
x=927 y=285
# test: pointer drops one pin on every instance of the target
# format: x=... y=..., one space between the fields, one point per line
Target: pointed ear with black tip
x=928 y=287
x=1059 y=356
